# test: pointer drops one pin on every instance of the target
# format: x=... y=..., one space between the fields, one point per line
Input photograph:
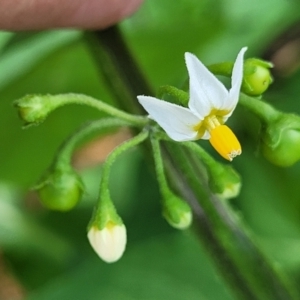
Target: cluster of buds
x=199 y=114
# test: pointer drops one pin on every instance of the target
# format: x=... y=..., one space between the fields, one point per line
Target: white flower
x=209 y=107
x=109 y=243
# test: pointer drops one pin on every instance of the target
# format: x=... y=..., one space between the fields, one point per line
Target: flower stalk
x=61 y=187
x=223 y=180
x=106 y=231
x=175 y=210
x=33 y=109
x=65 y=152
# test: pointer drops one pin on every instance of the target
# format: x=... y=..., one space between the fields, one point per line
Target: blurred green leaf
x=21 y=57
x=21 y=232
x=165 y=267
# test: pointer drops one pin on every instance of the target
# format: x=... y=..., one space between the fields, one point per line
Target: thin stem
x=264 y=111
x=181 y=97
x=64 y=153
x=159 y=166
x=224 y=68
x=105 y=203
x=114 y=154
x=204 y=156
x=64 y=99
x=124 y=79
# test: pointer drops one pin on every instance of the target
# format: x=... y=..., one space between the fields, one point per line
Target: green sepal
x=104 y=213
x=178 y=96
x=60 y=189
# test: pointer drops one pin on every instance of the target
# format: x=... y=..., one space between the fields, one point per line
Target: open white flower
x=209 y=107
x=109 y=243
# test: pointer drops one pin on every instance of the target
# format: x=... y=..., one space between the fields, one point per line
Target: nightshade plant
x=194 y=186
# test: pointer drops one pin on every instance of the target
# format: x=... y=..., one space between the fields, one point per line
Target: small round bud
x=280 y=140
x=224 y=181
x=257 y=76
x=176 y=211
x=61 y=189
x=33 y=109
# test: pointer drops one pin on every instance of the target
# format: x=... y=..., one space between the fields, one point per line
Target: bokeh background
x=45 y=255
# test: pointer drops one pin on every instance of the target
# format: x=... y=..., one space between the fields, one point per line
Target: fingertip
x=81 y=14
x=96 y=14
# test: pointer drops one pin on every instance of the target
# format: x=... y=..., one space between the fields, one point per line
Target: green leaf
x=166 y=267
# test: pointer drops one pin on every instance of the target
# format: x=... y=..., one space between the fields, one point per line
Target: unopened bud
x=33 y=109
x=176 y=211
x=106 y=231
x=61 y=189
x=257 y=76
x=224 y=181
x=109 y=242
x=280 y=140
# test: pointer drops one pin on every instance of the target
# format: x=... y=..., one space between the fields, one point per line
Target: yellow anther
x=225 y=142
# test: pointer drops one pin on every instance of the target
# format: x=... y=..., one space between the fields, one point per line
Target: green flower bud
x=33 y=109
x=280 y=140
x=176 y=211
x=257 y=76
x=61 y=189
x=224 y=181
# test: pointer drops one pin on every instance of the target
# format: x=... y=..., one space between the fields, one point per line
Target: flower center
x=211 y=122
x=222 y=138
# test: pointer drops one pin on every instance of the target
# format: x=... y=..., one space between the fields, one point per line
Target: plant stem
x=65 y=151
x=115 y=153
x=64 y=99
x=104 y=194
x=122 y=77
x=264 y=111
x=224 y=68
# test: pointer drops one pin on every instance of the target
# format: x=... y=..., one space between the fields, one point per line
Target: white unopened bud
x=109 y=243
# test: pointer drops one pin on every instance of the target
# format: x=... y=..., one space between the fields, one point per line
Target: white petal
x=206 y=135
x=177 y=121
x=236 y=81
x=206 y=91
x=108 y=243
